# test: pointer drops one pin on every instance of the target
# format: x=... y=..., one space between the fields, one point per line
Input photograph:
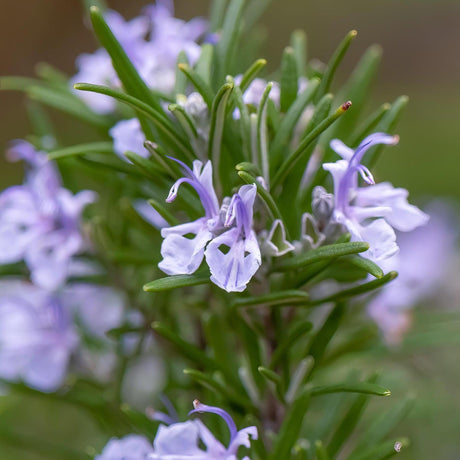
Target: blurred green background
x=421 y=43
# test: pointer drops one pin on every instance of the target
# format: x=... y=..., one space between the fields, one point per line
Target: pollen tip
x=353 y=33
x=346 y=105
x=395 y=139
x=398 y=446
x=196 y=404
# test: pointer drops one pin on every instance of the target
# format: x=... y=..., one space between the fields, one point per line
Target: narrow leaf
x=176 y=281
x=250 y=74
x=274 y=298
x=289 y=79
x=324 y=252
x=126 y=71
x=357 y=290
x=360 y=387
x=334 y=62
x=81 y=149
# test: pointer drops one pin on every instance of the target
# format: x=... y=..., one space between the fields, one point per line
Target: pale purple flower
x=128 y=136
x=232 y=251
x=425 y=257
x=370 y=213
x=234 y=256
x=169 y=36
x=180 y=441
x=131 y=447
x=37 y=336
x=40 y=220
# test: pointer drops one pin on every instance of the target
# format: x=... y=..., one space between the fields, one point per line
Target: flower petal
x=182 y=255
x=234 y=269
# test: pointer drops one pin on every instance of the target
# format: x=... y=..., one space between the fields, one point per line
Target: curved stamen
x=210 y=207
x=201 y=408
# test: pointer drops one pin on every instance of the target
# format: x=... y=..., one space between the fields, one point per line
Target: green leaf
x=245 y=123
x=321 y=451
x=200 y=85
x=185 y=121
x=300 y=374
x=333 y=64
x=289 y=79
x=250 y=74
x=217 y=337
x=180 y=86
x=176 y=281
x=81 y=149
x=273 y=299
x=305 y=143
x=68 y=103
x=124 y=68
x=216 y=14
x=291 y=428
x=299 y=45
x=367 y=265
x=349 y=421
x=322 y=338
x=316 y=255
x=270 y=375
x=261 y=144
x=204 y=65
x=290 y=120
x=227 y=44
x=357 y=290
x=357 y=89
x=360 y=387
x=218 y=112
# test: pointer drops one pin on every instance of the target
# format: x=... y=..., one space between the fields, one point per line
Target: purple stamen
x=201 y=408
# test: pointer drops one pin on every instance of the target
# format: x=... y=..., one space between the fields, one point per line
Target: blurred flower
x=131 y=447
x=37 y=336
x=127 y=136
x=169 y=36
x=40 y=330
x=152 y=42
x=40 y=220
x=423 y=261
x=370 y=213
x=233 y=253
